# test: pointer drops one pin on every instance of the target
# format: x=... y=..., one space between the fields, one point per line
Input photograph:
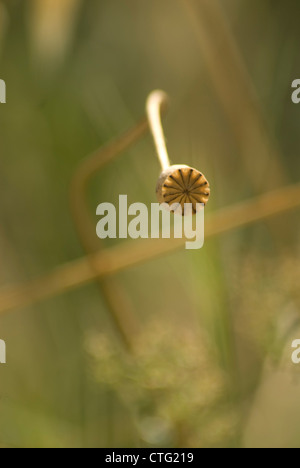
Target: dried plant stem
x=88 y=167
x=236 y=92
x=113 y=293
x=156 y=103
x=113 y=260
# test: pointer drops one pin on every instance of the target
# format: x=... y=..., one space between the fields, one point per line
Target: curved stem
x=113 y=293
x=87 y=169
x=116 y=259
x=156 y=103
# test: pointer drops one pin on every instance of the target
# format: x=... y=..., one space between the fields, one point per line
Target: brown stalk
x=113 y=293
x=236 y=93
x=114 y=260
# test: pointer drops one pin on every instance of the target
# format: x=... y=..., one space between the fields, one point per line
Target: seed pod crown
x=182 y=184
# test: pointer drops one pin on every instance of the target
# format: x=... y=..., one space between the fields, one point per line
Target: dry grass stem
x=156 y=103
x=237 y=95
x=113 y=293
x=129 y=254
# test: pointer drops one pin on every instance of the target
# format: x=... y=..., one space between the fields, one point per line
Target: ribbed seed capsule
x=182 y=184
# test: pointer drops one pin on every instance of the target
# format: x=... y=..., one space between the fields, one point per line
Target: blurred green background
x=212 y=366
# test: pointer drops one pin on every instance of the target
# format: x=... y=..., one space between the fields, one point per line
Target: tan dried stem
x=114 y=295
x=114 y=260
x=191 y=186
x=157 y=102
x=235 y=90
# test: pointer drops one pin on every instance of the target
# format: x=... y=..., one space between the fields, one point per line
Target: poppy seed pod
x=182 y=184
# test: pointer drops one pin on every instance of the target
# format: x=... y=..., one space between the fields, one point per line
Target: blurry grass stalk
x=87 y=169
x=3 y=23
x=115 y=296
x=237 y=95
x=51 y=25
x=113 y=260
